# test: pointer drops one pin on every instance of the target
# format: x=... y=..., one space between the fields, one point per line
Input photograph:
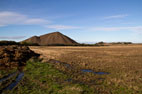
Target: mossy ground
x=46 y=78
x=43 y=78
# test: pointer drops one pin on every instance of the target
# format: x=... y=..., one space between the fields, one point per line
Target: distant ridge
x=55 y=38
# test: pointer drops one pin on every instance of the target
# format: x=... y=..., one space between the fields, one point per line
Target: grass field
x=79 y=70
x=124 y=63
x=43 y=78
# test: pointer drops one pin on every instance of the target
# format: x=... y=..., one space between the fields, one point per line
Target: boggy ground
x=124 y=63
x=43 y=78
x=11 y=59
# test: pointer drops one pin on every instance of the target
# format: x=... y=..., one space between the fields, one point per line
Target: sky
x=86 y=21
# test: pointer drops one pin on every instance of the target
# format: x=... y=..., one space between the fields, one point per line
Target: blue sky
x=82 y=20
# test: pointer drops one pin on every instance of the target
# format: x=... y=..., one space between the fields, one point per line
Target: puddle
x=14 y=83
x=99 y=73
x=86 y=70
x=83 y=70
x=17 y=80
x=8 y=77
x=67 y=65
x=69 y=80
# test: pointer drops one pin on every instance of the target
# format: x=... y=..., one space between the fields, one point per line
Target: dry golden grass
x=124 y=63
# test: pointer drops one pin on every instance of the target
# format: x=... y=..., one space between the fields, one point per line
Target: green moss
x=43 y=78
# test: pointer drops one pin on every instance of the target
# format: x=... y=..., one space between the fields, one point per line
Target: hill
x=55 y=38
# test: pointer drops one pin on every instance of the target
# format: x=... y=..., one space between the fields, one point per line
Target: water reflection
x=19 y=75
x=99 y=73
x=17 y=80
x=7 y=77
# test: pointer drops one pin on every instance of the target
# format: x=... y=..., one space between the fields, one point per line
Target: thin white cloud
x=61 y=27
x=13 y=18
x=116 y=16
x=36 y=21
x=2 y=25
x=7 y=18
x=131 y=28
x=12 y=37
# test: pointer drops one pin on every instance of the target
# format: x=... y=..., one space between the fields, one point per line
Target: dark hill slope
x=51 y=39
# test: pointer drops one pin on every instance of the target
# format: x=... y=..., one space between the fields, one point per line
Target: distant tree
x=100 y=43
x=127 y=42
x=122 y=43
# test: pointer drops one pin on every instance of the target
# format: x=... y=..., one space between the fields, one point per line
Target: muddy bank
x=15 y=55
x=13 y=58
